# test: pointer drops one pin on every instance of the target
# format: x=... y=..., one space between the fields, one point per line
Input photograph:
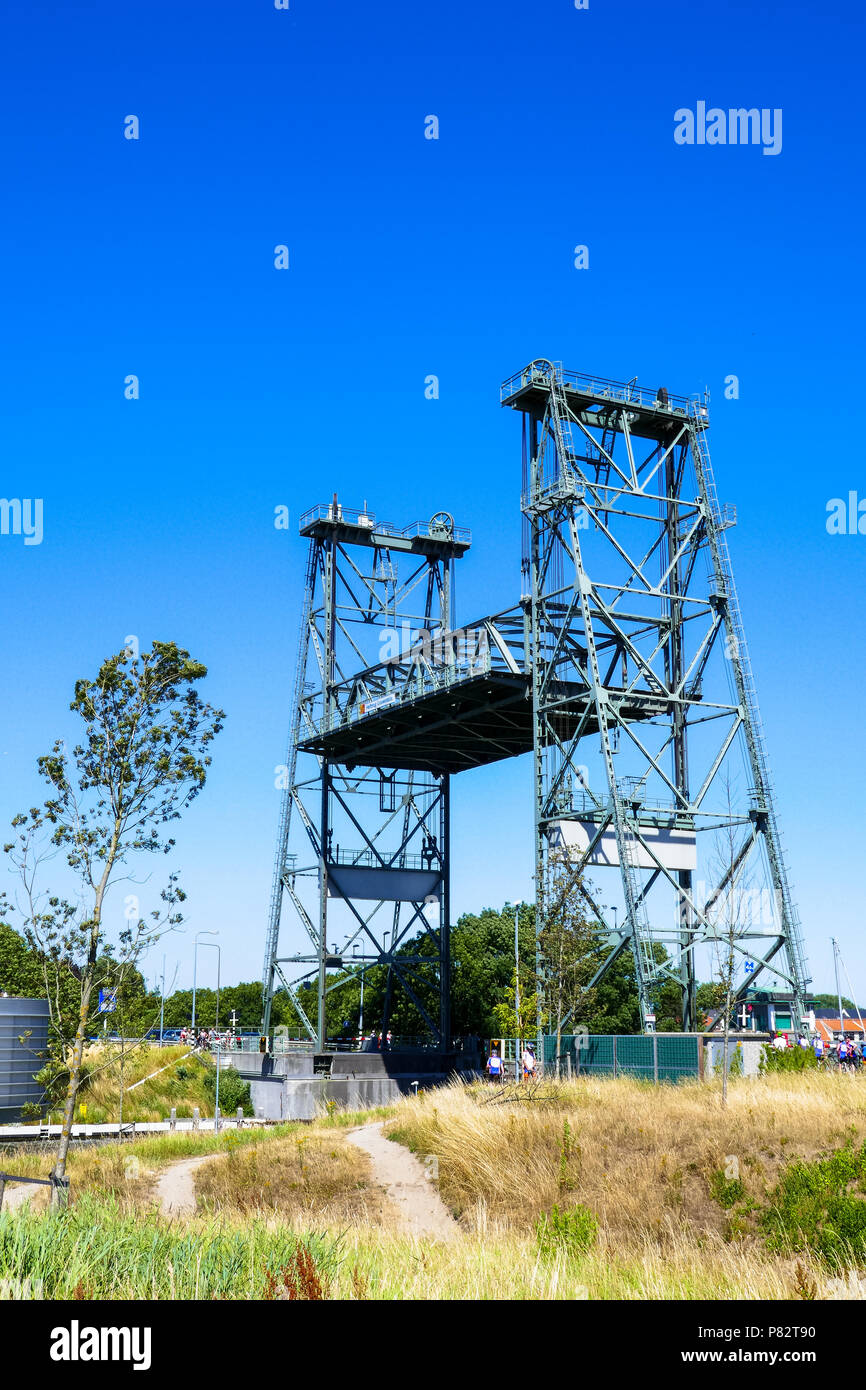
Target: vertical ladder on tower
x=764 y=788
x=562 y=427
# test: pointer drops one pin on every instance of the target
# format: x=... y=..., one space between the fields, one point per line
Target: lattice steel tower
x=363 y=852
x=648 y=752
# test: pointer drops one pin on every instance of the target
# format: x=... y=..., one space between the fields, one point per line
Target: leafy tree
x=143 y=757
x=710 y=995
x=569 y=951
x=23 y=970
x=831 y=1001
x=482 y=952
x=513 y=1021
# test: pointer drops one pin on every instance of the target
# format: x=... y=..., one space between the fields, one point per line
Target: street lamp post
x=216 y=1115
x=516 y=993
x=162 y=1005
x=214 y=945
x=361 y=1019
x=195 y=966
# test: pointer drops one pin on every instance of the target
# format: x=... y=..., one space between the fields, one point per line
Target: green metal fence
x=654 y=1057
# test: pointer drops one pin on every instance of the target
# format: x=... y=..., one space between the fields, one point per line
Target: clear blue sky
x=412 y=257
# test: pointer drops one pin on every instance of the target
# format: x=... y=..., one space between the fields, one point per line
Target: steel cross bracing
x=648 y=751
x=363 y=852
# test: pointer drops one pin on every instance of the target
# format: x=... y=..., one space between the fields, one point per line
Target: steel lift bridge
x=623 y=670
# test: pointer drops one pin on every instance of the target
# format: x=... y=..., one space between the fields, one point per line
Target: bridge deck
x=475 y=722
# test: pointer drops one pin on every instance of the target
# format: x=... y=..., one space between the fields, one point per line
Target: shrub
x=792 y=1059
x=234 y=1091
x=813 y=1208
x=572 y=1230
x=726 y=1191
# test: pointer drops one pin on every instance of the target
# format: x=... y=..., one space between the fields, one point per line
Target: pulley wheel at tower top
x=441 y=524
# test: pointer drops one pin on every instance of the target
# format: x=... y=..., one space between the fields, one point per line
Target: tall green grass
x=96 y=1251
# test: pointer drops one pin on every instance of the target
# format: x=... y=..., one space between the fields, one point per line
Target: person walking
x=494 y=1066
x=529 y=1063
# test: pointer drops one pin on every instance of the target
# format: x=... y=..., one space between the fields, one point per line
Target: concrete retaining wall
x=301 y=1087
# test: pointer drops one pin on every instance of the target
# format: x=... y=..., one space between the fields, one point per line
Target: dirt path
x=175 y=1189
x=15 y=1197
x=421 y=1209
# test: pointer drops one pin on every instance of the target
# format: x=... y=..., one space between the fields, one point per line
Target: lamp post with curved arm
x=195 y=966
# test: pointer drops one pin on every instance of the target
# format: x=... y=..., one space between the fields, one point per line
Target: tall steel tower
x=363 y=846
x=649 y=758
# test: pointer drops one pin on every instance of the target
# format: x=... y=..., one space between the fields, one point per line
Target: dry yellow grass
x=309 y=1180
x=640 y=1157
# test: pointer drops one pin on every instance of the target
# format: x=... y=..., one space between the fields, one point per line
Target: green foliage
x=831 y=1001
x=508 y=1023
x=710 y=995
x=94 y=1251
x=568 y=1150
x=569 y=948
x=30 y=974
x=483 y=944
x=814 y=1208
x=233 y=1090
x=572 y=1230
x=726 y=1191
x=792 y=1059
x=140 y=756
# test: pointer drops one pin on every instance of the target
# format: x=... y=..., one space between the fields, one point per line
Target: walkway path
x=175 y=1188
x=15 y=1197
x=421 y=1209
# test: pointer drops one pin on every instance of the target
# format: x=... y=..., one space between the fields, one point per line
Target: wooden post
x=2 y=1190
x=240 y=1117
x=172 y=1119
x=196 y=1116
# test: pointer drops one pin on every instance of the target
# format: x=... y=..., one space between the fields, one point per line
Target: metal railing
x=350 y=516
x=446 y=661
x=279 y=1046
x=367 y=859
x=604 y=389
x=59 y=1186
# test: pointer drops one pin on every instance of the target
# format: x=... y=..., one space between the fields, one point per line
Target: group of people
x=845 y=1053
x=496 y=1064
x=209 y=1039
